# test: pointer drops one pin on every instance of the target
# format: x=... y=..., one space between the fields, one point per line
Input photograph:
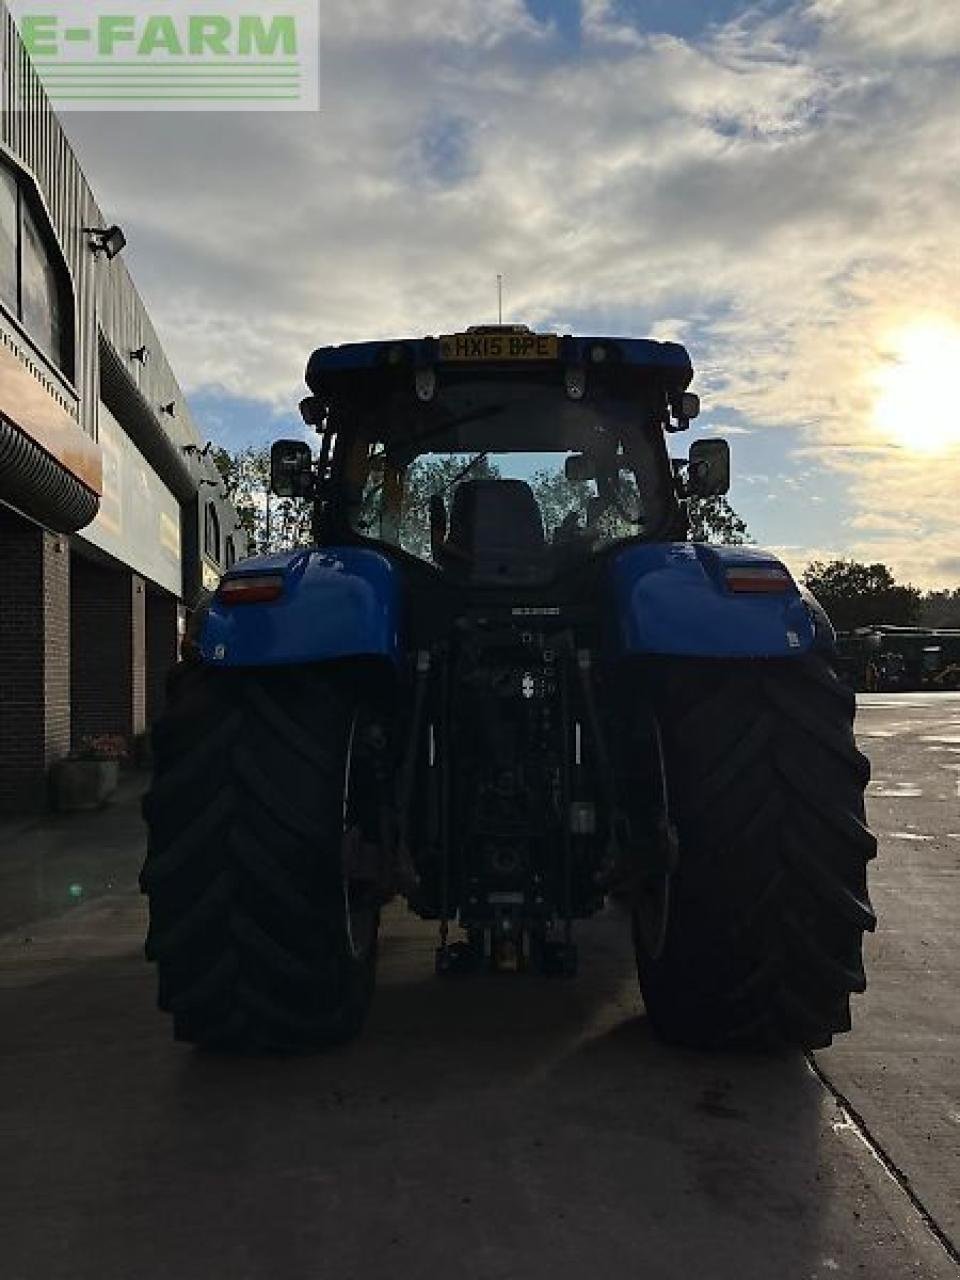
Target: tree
x=859 y=595
x=940 y=609
x=424 y=479
x=711 y=519
x=270 y=524
x=714 y=520
x=277 y=524
x=559 y=497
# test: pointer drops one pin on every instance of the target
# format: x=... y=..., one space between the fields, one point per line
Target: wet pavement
x=503 y=1127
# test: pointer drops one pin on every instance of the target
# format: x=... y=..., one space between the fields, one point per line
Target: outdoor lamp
x=106 y=240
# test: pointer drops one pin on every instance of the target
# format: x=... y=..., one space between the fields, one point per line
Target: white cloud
x=428 y=22
x=926 y=29
x=782 y=193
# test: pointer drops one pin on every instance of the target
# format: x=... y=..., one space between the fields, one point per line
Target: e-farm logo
x=174 y=55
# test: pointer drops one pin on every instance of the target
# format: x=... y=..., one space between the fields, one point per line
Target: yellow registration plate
x=481 y=348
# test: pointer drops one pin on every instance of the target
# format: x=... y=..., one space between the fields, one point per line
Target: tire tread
x=243 y=868
x=771 y=902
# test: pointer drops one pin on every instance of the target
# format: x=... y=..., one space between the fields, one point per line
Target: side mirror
x=580 y=467
x=684 y=409
x=291 y=469
x=312 y=411
x=708 y=473
x=690 y=407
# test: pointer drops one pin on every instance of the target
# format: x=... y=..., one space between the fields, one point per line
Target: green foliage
x=426 y=477
x=858 y=595
x=941 y=609
x=714 y=520
x=275 y=524
x=559 y=497
x=269 y=523
x=711 y=519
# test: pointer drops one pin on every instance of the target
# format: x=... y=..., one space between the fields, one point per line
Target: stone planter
x=83 y=784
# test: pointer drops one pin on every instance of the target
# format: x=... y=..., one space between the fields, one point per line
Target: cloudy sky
x=776 y=184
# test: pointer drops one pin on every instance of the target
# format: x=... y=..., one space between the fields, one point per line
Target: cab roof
x=500 y=388
x=332 y=369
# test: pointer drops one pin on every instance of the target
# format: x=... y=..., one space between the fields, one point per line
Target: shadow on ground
x=500 y=1126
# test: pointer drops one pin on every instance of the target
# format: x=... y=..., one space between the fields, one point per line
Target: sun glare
x=911 y=408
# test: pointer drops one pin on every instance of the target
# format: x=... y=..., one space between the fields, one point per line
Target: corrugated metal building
x=112 y=517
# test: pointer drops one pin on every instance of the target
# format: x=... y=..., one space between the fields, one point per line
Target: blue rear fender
x=336 y=602
x=675 y=599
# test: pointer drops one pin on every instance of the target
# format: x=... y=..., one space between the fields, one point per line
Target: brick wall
x=74 y=643
x=56 y=646
x=138 y=663
x=108 y=634
x=34 y=659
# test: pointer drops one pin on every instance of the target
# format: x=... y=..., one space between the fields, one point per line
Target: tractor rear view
x=506 y=715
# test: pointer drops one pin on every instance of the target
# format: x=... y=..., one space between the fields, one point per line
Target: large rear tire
x=262 y=935
x=769 y=902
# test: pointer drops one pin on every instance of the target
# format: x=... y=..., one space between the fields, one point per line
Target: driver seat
x=496 y=534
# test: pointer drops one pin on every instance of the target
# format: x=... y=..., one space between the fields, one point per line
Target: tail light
x=759 y=580
x=252 y=589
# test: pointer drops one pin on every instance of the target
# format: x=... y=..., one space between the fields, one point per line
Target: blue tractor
x=503 y=685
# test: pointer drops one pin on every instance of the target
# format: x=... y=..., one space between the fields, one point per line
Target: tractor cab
x=499 y=455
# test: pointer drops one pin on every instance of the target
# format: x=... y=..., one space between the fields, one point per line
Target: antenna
x=499 y=299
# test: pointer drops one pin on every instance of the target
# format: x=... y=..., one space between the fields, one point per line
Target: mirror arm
x=681 y=477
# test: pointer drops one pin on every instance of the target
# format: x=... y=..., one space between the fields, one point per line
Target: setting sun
x=911 y=408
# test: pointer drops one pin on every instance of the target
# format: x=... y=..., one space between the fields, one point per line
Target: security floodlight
x=169 y=409
x=141 y=355
x=106 y=240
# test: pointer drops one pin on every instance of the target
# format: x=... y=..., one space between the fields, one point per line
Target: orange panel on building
x=27 y=403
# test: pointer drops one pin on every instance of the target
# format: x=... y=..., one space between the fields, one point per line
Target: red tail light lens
x=251 y=590
x=759 y=580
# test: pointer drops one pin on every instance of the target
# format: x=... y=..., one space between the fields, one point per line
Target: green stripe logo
x=174 y=54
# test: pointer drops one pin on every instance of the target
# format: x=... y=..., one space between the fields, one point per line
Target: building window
x=211 y=534
x=34 y=282
x=9 y=238
x=230 y=553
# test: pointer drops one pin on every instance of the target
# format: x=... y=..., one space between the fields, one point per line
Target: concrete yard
x=500 y=1128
